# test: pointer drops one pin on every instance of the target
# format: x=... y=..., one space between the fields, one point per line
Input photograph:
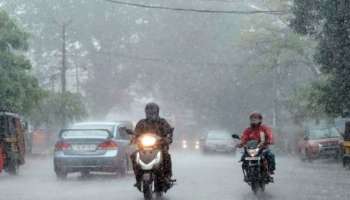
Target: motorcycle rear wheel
x=262 y=186
x=255 y=187
x=12 y=167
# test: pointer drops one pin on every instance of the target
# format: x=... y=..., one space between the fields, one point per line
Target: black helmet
x=152 y=111
x=255 y=119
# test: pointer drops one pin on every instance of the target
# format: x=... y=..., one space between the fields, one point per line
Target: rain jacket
x=262 y=133
x=160 y=127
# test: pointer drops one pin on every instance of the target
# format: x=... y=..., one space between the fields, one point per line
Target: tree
x=51 y=114
x=19 y=90
x=329 y=22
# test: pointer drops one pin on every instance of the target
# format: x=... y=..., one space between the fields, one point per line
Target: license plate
x=84 y=147
x=252 y=158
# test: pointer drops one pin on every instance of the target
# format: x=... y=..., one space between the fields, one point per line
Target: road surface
x=200 y=177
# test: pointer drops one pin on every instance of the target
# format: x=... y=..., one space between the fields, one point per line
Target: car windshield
x=79 y=134
x=321 y=133
x=218 y=135
x=94 y=126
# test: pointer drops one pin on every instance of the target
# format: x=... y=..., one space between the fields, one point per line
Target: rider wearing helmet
x=263 y=134
x=154 y=123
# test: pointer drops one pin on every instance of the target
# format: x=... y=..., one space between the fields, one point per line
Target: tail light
x=62 y=146
x=108 y=145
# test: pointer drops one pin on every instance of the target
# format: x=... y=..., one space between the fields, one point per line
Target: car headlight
x=253 y=152
x=148 y=140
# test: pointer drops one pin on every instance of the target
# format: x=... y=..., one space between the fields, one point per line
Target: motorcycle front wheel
x=255 y=187
x=147 y=191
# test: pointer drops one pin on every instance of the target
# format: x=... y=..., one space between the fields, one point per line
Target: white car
x=219 y=141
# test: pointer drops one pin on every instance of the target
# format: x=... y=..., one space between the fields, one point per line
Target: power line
x=139 y=5
x=162 y=60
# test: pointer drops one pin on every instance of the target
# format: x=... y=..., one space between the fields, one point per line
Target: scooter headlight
x=253 y=152
x=148 y=141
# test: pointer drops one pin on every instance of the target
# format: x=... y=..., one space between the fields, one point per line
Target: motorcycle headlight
x=148 y=141
x=253 y=152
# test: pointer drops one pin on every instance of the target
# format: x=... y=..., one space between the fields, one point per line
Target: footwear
x=245 y=179
x=138 y=185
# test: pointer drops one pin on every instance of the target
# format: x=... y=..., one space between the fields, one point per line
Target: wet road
x=200 y=177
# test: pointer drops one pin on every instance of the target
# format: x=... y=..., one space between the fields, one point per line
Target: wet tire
x=124 y=168
x=262 y=187
x=61 y=174
x=12 y=168
x=255 y=187
x=147 y=191
x=85 y=174
x=159 y=196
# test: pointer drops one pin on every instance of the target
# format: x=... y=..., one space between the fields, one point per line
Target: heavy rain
x=175 y=99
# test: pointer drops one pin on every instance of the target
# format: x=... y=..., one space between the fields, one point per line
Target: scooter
x=149 y=158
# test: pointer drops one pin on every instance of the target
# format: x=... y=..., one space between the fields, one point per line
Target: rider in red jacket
x=263 y=134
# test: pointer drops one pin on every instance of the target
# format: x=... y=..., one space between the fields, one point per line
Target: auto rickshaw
x=346 y=145
x=12 y=142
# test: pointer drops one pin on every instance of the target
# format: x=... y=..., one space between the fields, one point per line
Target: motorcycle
x=149 y=158
x=255 y=166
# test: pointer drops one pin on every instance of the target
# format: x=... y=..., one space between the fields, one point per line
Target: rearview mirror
x=234 y=136
x=127 y=130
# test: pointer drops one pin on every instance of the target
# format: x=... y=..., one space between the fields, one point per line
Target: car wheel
x=308 y=156
x=61 y=174
x=124 y=167
x=85 y=173
x=302 y=155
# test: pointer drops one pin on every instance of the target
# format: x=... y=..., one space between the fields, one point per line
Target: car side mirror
x=234 y=136
x=306 y=138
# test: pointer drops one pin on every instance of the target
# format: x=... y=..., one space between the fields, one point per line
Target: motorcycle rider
x=263 y=134
x=155 y=124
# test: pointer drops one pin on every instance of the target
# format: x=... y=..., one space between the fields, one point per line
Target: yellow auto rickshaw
x=346 y=145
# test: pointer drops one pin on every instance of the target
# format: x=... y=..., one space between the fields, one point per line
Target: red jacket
x=254 y=134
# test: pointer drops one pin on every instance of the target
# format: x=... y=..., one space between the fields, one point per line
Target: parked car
x=219 y=141
x=92 y=147
x=318 y=142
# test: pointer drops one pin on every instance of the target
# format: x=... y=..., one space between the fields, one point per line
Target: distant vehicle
x=219 y=141
x=318 y=142
x=190 y=144
x=92 y=146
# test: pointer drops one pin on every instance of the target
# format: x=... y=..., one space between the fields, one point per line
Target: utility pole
x=77 y=78
x=64 y=26
x=64 y=56
x=64 y=67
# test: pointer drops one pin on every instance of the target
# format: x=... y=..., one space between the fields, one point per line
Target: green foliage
x=56 y=109
x=19 y=90
x=329 y=22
